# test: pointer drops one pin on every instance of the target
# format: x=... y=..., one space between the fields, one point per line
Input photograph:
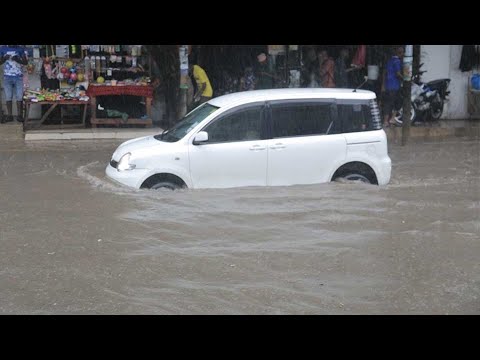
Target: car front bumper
x=131 y=178
x=385 y=171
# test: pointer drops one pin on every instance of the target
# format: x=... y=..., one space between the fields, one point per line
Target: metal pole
x=182 y=105
x=407 y=87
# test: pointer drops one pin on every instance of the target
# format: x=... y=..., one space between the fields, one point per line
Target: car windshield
x=191 y=120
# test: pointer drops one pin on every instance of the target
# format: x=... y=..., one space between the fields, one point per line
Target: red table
x=145 y=91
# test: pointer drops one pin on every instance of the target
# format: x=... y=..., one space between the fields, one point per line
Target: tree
x=167 y=66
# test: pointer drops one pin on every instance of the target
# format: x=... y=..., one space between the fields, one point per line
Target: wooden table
x=144 y=91
x=53 y=105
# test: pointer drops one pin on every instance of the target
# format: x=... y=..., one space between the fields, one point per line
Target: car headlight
x=124 y=163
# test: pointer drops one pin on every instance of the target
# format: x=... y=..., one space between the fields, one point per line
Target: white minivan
x=262 y=138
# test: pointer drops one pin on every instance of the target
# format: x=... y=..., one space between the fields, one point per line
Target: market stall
x=117 y=118
x=118 y=71
x=85 y=75
x=53 y=99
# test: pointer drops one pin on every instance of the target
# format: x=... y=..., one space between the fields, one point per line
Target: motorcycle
x=427 y=99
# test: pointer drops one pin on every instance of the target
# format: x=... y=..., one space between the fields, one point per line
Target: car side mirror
x=200 y=138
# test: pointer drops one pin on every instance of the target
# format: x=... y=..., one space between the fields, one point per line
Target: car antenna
x=359 y=86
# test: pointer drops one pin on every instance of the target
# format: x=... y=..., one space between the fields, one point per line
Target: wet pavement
x=73 y=242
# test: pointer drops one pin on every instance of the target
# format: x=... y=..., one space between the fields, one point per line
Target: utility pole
x=182 y=106
x=407 y=88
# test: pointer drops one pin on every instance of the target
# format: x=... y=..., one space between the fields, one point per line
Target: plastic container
x=87 y=67
x=476 y=82
x=373 y=71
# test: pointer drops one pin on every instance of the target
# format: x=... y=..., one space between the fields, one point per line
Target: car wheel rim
x=162 y=186
x=436 y=111
x=357 y=177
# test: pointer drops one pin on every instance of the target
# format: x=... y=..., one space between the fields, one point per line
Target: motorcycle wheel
x=436 y=110
x=399 y=116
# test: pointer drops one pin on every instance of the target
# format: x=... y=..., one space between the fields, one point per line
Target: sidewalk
x=90 y=134
x=11 y=131
x=437 y=130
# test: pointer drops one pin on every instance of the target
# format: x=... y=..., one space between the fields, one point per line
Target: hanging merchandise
x=359 y=58
x=87 y=67
x=468 y=59
x=113 y=64
x=61 y=51
x=98 y=66
x=103 y=64
x=73 y=50
x=93 y=63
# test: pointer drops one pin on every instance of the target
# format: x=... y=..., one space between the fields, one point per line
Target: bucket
x=476 y=81
x=373 y=72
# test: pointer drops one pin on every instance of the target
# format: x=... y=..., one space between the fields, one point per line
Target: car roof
x=245 y=97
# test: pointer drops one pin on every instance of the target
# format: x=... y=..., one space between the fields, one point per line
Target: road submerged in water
x=74 y=242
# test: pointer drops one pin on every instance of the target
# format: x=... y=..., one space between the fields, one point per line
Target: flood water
x=73 y=242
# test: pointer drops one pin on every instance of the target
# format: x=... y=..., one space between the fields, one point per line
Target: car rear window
x=301 y=119
x=355 y=116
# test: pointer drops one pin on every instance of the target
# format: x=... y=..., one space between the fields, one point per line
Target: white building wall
x=442 y=61
x=436 y=61
x=458 y=105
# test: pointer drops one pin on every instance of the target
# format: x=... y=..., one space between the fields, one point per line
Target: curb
x=89 y=134
x=14 y=132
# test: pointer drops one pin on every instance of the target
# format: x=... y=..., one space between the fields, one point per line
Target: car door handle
x=257 y=148
x=278 y=146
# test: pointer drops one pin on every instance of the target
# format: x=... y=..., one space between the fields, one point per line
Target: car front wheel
x=164 y=185
x=353 y=177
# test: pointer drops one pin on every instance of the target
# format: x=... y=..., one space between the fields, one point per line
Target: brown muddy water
x=73 y=242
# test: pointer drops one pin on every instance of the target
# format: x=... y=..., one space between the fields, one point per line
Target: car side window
x=354 y=117
x=241 y=125
x=302 y=119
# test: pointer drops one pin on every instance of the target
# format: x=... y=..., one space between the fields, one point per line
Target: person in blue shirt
x=392 y=83
x=14 y=57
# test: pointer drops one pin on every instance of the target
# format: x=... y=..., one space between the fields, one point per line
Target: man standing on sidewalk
x=204 y=88
x=14 y=57
x=392 y=83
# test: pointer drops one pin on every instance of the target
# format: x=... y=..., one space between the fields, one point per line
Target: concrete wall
x=458 y=104
x=436 y=59
x=442 y=61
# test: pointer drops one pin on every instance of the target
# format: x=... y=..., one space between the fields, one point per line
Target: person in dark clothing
x=310 y=68
x=341 y=70
x=264 y=76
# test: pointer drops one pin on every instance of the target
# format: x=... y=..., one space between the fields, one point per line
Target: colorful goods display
x=40 y=95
